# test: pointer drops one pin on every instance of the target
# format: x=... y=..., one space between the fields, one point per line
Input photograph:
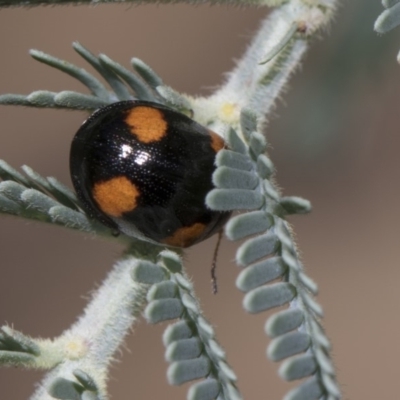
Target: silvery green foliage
x=78 y=360
x=191 y=346
x=15 y=348
x=389 y=18
x=45 y=199
x=124 y=84
x=153 y=281
x=269 y=254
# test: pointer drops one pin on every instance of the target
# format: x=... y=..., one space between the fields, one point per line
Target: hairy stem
x=262 y=73
x=25 y=3
x=89 y=345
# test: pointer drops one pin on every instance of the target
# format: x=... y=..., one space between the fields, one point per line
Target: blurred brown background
x=334 y=139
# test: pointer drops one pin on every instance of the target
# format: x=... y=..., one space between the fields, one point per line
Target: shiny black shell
x=144 y=170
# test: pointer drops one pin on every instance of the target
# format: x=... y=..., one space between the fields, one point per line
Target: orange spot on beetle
x=185 y=236
x=116 y=196
x=147 y=124
x=217 y=143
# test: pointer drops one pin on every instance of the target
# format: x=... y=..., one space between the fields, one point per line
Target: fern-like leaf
x=191 y=347
x=268 y=254
x=44 y=199
x=141 y=84
x=389 y=18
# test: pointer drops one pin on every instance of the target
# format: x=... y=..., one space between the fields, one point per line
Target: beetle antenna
x=214 y=264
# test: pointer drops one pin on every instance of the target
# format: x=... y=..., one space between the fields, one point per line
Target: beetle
x=144 y=170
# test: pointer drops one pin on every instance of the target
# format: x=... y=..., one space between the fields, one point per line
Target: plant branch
x=270 y=253
x=89 y=345
x=243 y=181
x=263 y=72
x=26 y=3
